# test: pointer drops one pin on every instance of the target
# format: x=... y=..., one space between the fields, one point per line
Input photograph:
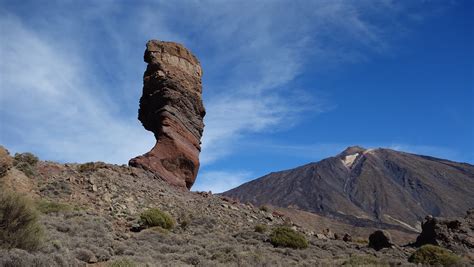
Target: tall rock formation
x=171 y=107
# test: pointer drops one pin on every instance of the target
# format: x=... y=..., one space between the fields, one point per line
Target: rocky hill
x=90 y=214
x=373 y=187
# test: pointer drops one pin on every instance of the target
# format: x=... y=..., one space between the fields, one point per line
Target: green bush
x=45 y=206
x=260 y=228
x=155 y=217
x=122 y=263
x=19 y=227
x=434 y=255
x=364 y=260
x=287 y=237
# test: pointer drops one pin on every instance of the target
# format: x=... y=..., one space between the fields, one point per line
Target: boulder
x=347 y=237
x=380 y=239
x=456 y=234
x=171 y=107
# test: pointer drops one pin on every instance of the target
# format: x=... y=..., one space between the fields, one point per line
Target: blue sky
x=285 y=82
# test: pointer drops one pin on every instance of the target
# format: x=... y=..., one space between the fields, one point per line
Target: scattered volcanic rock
x=347 y=238
x=171 y=107
x=379 y=188
x=456 y=234
x=380 y=239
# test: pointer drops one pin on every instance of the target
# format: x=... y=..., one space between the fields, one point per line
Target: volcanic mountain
x=369 y=186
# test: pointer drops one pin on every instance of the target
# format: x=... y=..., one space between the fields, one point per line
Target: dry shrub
x=122 y=263
x=46 y=206
x=26 y=163
x=155 y=217
x=264 y=208
x=434 y=255
x=26 y=157
x=287 y=237
x=6 y=161
x=364 y=260
x=90 y=166
x=19 y=227
x=260 y=228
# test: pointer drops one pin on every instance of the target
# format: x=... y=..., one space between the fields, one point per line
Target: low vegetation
x=287 y=237
x=260 y=228
x=364 y=260
x=264 y=208
x=26 y=163
x=155 y=217
x=46 y=206
x=90 y=166
x=434 y=255
x=19 y=227
x=6 y=161
x=122 y=263
x=26 y=157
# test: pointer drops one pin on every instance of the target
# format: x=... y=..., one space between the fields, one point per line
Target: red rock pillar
x=171 y=107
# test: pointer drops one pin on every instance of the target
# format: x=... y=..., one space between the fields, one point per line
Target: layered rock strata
x=171 y=107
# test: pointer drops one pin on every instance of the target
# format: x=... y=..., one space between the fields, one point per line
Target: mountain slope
x=380 y=185
x=89 y=213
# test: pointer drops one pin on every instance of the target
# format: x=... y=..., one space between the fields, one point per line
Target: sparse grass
x=287 y=237
x=264 y=208
x=158 y=229
x=361 y=241
x=46 y=206
x=122 y=263
x=19 y=227
x=434 y=255
x=260 y=228
x=364 y=260
x=156 y=217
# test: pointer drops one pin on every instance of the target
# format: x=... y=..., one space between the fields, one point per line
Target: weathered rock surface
x=456 y=234
x=171 y=107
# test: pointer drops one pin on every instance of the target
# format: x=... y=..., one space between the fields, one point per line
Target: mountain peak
x=377 y=185
x=351 y=150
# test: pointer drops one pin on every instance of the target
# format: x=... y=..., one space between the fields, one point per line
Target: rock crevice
x=171 y=107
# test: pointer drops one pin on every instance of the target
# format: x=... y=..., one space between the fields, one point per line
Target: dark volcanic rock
x=380 y=239
x=379 y=188
x=171 y=107
x=456 y=234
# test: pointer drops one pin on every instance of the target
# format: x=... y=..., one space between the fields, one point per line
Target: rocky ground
x=98 y=204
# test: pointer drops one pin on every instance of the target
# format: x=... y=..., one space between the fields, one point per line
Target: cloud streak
x=70 y=83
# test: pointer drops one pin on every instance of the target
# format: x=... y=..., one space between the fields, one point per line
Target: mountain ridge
x=408 y=187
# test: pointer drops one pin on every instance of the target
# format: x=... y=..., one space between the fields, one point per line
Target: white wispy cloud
x=66 y=82
x=48 y=106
